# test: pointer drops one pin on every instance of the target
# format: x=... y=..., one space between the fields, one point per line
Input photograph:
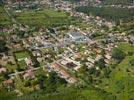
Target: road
x=17 y=73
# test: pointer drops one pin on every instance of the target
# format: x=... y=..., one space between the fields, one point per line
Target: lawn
x=21 y=55
x=53 y=13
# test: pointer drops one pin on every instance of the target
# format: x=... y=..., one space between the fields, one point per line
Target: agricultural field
x=47 y=18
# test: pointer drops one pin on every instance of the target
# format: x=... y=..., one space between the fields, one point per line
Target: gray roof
x=76 y=34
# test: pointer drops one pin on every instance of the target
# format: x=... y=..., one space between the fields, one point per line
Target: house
x=72 y=80
x=2 y=70
x=28 y=62
x=29 y=75
x=63 y=73
x=8 y=84
x=91 y=60
x=106 y=61
x=77 y=37
x=77 y=68
x=36 y=53
x=70 y=65
x=107 y=56
x=78 y=56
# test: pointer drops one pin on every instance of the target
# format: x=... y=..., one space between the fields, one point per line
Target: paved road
x=17 y=73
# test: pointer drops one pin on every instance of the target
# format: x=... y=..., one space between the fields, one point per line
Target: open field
x=47 y=18
x=21 y=54
x=52 y=13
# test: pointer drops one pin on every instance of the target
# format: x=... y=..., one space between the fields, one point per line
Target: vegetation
x=4 y=95
x=118 y=54
x=115 y=14
x=46 y=17
x=4 y=19
x=21 y=54
x=99 y=76
x=72 y=94
x=127 y=27
x=3 y=47
x=117 y=2
x=120 y=81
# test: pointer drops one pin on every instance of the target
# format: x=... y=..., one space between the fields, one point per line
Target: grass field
x=47 y=18
x=52 y=13
x=21 y=54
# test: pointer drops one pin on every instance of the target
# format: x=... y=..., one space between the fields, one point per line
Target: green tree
x=118 y=54
x=100 y=63
x=3 y=47
x=131 y=62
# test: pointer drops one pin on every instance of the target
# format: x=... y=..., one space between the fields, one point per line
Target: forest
x=109 y=13
x=117 y=2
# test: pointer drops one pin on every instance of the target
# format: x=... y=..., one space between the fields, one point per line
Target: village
x=62 y=50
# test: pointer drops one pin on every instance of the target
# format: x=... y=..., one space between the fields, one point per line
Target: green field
x=47 y=18
x=21 y=54
x=4 y=19
x=53 y=13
